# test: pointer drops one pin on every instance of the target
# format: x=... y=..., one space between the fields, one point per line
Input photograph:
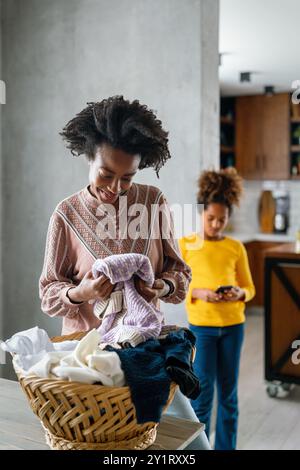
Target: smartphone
x=222 y=289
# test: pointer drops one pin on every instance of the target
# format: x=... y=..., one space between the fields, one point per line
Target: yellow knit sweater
x=216 y=263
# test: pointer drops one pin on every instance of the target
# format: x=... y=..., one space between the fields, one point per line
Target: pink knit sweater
x=73 y=245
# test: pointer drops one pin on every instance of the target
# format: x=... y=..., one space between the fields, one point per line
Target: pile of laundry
x=148 y=369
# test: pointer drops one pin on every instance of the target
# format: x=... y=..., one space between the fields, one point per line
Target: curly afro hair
x=129 y=126
x=223 y=187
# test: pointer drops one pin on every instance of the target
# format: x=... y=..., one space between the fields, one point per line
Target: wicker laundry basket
x=77 y=416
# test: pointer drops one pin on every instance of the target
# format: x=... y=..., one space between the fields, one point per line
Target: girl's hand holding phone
x=233 y=294
x=207 y=295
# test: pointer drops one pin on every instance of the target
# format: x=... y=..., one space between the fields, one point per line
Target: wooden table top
x=20 y=429
x=286 y=250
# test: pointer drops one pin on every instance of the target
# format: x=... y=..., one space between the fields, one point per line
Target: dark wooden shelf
x=225 y=120
x=295 y=177
x=295 y=120
x=226 y=149
x=295 y=148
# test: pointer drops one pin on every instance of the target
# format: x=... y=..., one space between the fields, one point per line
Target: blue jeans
x=217 y=360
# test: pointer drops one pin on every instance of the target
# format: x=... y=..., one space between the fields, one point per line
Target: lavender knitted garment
x=139 y=319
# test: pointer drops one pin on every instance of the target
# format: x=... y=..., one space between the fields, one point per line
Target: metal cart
x=282 y=319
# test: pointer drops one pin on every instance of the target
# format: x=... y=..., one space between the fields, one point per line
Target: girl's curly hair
x=129 y=126
x=223 y=187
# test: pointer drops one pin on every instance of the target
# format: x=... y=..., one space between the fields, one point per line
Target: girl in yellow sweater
x=217 y=318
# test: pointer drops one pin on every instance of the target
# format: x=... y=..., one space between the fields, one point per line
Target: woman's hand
x=234 y=294
x=149 y=293
x=207 y=295
x=91 y=289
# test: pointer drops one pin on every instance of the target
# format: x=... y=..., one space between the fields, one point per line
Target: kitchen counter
x=256 y=245
x=262 y=237
x=286 y=250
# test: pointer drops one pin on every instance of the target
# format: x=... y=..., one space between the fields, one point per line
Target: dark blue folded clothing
x=150 y=367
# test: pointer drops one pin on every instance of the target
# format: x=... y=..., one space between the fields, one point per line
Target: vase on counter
x=266 y=211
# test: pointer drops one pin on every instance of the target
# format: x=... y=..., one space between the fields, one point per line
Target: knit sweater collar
x=94 y=203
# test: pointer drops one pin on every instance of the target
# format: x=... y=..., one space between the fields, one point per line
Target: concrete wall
x=1 y=196
x=210 y=102
x=60 y=54
x=2 y=354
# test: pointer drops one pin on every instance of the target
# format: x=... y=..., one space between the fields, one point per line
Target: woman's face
x=215 y=218
x=111 y=173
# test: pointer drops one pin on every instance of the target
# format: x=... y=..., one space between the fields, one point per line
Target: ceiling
x=260 y=36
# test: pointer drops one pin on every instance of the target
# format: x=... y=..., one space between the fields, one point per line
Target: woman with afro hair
x=216 y=316
x=118 y=138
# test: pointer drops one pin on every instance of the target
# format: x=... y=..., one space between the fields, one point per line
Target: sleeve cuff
x=67 y=301
x=169 y=288
x=180 y=284
x=248 y=294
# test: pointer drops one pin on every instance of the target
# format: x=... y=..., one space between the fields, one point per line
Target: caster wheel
x=287 y=387
x=272 y=390
x=278 y=390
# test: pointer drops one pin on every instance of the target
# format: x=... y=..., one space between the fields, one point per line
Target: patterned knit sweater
x=73 y=245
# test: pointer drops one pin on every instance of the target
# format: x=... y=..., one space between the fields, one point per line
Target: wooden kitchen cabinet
x=256 y=255
x=263 y=136
x=248 y=136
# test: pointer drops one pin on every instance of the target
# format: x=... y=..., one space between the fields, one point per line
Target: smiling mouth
x=107 y=196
